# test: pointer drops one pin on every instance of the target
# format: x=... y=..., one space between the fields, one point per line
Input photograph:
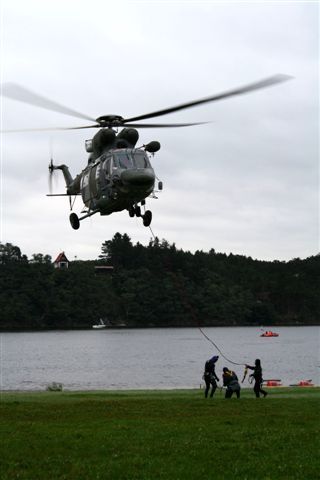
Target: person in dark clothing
x=210 y=376
x=230 y=380
x=257 y=376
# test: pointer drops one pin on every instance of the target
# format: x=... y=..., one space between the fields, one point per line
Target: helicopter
x=119 y=175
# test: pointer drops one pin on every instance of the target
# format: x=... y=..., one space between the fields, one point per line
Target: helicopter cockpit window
x=123 y=160
x=140 y=160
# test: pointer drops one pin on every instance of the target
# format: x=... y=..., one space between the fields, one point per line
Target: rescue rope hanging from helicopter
x=195 y=318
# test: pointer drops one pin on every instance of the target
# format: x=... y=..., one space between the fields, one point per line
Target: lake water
x=151 y=358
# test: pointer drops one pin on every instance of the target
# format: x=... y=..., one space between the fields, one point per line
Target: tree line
x=156 y=285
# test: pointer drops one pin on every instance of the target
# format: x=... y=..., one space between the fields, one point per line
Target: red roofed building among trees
x=61 y=261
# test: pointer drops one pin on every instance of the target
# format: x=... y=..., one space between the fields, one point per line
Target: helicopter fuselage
x=118 y=175
x=115 y=181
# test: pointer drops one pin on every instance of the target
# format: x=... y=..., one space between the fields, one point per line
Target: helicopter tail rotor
x=51 y=168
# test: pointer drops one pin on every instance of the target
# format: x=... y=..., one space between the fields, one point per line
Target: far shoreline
x=154 y=327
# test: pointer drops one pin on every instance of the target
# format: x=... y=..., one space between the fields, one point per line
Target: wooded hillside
x=156 y=285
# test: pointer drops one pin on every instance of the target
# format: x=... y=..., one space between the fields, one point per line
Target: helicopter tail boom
x=73 y=185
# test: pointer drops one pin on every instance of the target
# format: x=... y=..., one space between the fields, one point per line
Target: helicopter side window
x=98 y=169
x=107 y=166
x=85 y=180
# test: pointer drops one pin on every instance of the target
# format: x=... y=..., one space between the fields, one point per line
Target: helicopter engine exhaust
x=127 y=138
x=106 y=138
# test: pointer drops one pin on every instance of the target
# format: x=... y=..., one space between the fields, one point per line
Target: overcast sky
x=247 y=183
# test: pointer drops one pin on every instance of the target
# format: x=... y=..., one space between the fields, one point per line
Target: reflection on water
x=151 y=358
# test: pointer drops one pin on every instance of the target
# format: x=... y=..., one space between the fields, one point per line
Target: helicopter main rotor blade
x=161 y=125
x=120 y=125
x=48 y=129
x=16 y=92
x=267 y=82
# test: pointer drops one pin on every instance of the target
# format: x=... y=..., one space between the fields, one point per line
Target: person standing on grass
x=230 y=380
x=210 y=376
x=257 y=376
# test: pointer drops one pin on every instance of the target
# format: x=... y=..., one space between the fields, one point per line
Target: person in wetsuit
x=257 y=376
x=210 y=377
x=230 y=380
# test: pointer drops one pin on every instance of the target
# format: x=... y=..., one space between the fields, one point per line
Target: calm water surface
x=151 y=358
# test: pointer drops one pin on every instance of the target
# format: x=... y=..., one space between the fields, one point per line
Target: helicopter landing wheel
x=137 y=211
x=74 y=220
x=147 y=217
x=131 y=211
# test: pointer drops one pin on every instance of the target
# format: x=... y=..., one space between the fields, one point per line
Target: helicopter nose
x=136 y=178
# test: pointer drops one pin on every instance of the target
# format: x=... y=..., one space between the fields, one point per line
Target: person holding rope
x=257 y=376
x=230 y=380
x=210 y=377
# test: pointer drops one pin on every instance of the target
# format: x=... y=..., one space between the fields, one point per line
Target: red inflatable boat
x=268 y=333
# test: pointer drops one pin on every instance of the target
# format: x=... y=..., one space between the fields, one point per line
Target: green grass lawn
x=176 y=435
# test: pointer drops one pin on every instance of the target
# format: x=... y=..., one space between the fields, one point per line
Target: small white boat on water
x=99 y=325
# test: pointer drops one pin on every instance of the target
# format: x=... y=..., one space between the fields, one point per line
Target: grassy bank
x=159 y=435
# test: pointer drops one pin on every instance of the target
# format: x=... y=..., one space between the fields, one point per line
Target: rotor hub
x=110 y=120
